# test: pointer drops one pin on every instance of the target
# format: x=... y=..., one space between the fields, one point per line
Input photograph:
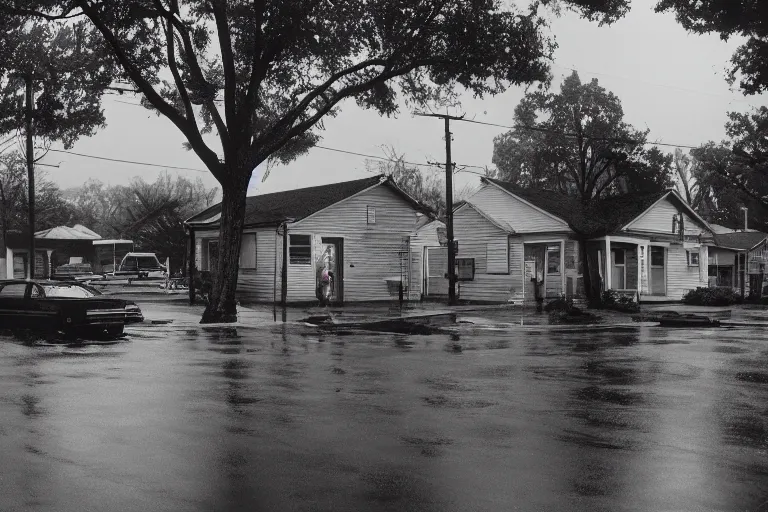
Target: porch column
x=639 y=271
x=191 y=271
x=562 y=268
x=608 y=268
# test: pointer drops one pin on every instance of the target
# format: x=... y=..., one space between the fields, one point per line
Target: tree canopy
x=50 y=207
x=69 y=74
x=577 y=142
x=745 y=18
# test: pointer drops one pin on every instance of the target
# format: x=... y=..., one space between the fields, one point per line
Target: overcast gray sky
x=668 y=81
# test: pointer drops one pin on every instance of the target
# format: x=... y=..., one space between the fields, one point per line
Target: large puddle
x=295 y=418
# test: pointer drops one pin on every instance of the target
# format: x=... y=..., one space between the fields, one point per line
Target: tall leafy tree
x=576 y=141
x=263 y=74
x=51 y=208
x=69 y=72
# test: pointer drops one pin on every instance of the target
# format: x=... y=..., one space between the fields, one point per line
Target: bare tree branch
x=193 y=135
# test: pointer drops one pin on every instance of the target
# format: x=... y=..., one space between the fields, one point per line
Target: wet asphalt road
x=285 y=419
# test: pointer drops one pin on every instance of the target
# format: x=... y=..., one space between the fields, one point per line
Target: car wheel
x=115 y=330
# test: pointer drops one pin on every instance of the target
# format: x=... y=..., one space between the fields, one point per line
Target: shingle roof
x=270 y=209
x=740 y=240
x=595 y=218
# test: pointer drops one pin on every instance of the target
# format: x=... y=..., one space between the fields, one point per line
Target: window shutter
x=497 y=256
x=248 y=251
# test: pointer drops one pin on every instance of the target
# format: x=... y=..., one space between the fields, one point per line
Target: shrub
x=203 y=284
x=574 y=316
x=618 y=302
x=561 y=304
x=711 y=297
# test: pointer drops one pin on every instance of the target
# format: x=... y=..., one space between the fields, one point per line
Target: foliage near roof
x=272 y=209
x=740 y=239
x=593 y=218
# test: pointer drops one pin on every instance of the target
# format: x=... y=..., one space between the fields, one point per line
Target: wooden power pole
x=449 y=204
x=28 y=115
x=30 y=176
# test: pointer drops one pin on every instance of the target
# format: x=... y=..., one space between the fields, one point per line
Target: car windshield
x=147 y=262
x=68 y=290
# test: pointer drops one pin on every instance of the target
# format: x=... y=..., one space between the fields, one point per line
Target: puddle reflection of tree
x=592 y=393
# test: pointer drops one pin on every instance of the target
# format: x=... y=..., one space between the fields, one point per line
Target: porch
x=655 y=270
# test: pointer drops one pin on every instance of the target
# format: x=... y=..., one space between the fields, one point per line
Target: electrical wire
x=573 y=135
x=125 y=161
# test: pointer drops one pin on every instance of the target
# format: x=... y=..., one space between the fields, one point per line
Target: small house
x=360 y=230
x=522 y=244
x=53 y=247
x=738 y=260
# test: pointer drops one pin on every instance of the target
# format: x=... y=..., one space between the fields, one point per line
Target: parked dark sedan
x=72 y=308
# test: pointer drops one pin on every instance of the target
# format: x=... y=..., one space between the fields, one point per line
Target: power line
x=566 y=134
x=375 y=157
x=125 y=161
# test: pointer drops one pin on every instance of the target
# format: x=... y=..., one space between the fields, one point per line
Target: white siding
x=680 y=276
x=257 y=285
x=475 y=233
x=509 y=210
x=497 y=256
x=659 y=220
x=371 y=251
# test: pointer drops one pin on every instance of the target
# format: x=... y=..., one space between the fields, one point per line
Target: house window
x=657 y=256
x=693 y=258
x=553 y=259
x=371 y=215
x=465 y=269
x=300 y=249
x=248 y=251
x=497 y=257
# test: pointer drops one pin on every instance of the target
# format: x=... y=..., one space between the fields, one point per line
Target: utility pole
x=28 y=77
x=30 y=177
x=449 y=204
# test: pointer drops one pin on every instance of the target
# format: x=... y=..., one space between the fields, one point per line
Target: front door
x=333 y=251
x=618 y=269
x=658 y=271
x=436 y=271
x=534 y=256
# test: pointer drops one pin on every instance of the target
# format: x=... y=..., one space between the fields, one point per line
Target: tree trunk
x=222 y=305
x=586 y=274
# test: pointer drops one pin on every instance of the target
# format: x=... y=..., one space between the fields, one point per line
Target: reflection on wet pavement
x=288 y=418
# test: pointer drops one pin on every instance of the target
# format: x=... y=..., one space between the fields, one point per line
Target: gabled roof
x=78 y=232
x=595 y=218
x=496 y=222
x=297 y=204
x=743 y=240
